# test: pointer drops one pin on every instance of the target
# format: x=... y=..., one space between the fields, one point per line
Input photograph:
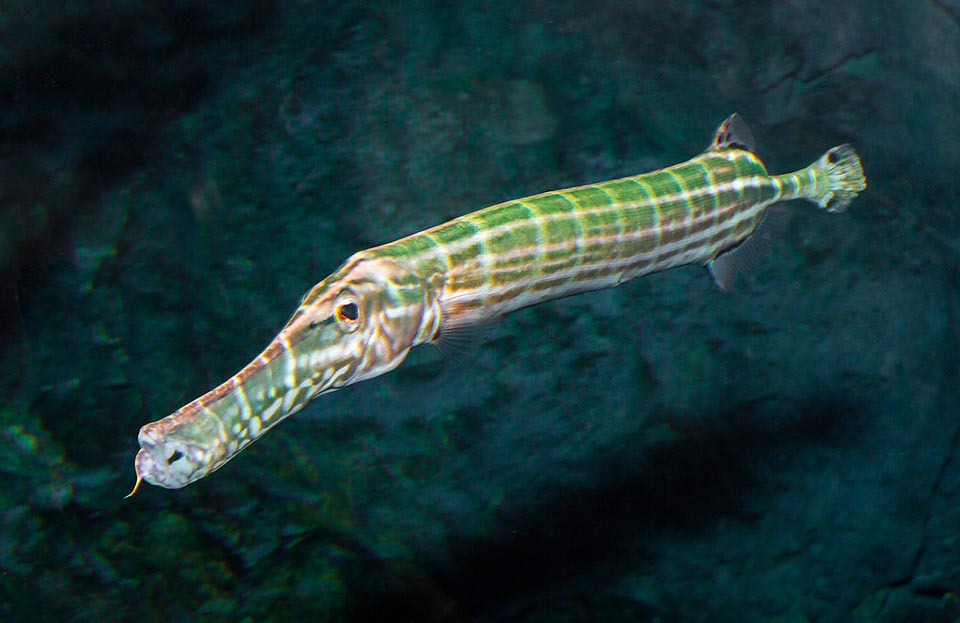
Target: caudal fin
x=844 y=178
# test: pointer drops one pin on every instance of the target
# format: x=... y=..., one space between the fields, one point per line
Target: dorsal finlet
x=733 y=133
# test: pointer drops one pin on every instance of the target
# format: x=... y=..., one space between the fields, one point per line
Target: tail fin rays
x=844 y=178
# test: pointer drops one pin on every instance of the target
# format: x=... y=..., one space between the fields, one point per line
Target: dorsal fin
x=733 y=133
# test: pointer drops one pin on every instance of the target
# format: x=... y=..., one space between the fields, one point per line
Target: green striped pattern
x=558 y=243
x=362 y=320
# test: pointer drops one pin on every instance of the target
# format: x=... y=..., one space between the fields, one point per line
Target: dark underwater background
x=175 y=175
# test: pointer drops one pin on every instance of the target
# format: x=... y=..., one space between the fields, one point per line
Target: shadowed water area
x=175 y=176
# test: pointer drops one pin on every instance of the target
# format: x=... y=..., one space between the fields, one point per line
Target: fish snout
x=166 y=462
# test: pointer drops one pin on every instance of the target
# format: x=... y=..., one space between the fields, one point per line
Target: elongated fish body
x=362 y=320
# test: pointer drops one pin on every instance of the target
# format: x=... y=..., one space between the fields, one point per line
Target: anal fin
x=725 y=267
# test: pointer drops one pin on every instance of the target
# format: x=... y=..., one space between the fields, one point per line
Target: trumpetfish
x=362 y=320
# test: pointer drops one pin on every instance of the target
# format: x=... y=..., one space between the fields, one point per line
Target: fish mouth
x=148 y=468
x=161 y=462
x=145 y=466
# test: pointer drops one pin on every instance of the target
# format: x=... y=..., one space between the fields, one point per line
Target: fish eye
x=348 y=312
x=176 y=456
